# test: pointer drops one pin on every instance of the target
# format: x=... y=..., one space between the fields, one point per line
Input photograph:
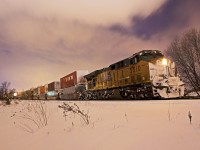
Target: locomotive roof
x=128 y=61
x=92 y=74
x=120 y=63
x=96 y=72
x=146 y=52
x=123 y=62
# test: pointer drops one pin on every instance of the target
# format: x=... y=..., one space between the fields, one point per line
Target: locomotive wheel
x=133 y=96
x=124 y=94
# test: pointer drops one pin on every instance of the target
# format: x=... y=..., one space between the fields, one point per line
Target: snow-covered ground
x=113 y=125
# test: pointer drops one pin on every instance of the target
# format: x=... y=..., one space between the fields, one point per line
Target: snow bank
x=193 y=94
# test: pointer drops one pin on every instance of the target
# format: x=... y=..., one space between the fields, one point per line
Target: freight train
x=145 y=75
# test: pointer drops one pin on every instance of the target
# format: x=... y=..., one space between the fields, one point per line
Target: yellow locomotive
x=145 y=75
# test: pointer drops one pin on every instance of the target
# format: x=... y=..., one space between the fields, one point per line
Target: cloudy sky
x=43 y=40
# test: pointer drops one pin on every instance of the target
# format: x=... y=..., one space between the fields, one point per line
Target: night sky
x=42 y=41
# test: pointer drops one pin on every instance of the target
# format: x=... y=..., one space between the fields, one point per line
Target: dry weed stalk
x=169 y=111
x=33 y=115
x=126 y=118
x=75 y=110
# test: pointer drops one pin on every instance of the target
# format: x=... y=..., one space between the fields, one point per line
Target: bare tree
x=185 y=51
x=28 y=94
x=11 y=93
x=24 y=95
x=4 y=90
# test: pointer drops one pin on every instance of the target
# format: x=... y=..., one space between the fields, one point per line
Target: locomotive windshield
x=149 y=55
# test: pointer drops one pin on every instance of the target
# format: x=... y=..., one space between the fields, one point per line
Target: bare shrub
x=75 y=110
x=32 y=117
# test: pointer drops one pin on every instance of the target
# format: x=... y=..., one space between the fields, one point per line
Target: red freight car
x=72 y=79
x=71 y=82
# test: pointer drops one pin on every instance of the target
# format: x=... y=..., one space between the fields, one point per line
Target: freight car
x=72 y=84
x=145 y=75
x=53 y=90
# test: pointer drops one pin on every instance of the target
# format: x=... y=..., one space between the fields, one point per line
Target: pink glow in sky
x=41 y=41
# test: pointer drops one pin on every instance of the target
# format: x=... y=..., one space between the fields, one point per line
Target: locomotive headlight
x=164 y=61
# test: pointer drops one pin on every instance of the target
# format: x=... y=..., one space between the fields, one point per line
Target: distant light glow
x=51 y=93
x=164 y=61
x=15 y=94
